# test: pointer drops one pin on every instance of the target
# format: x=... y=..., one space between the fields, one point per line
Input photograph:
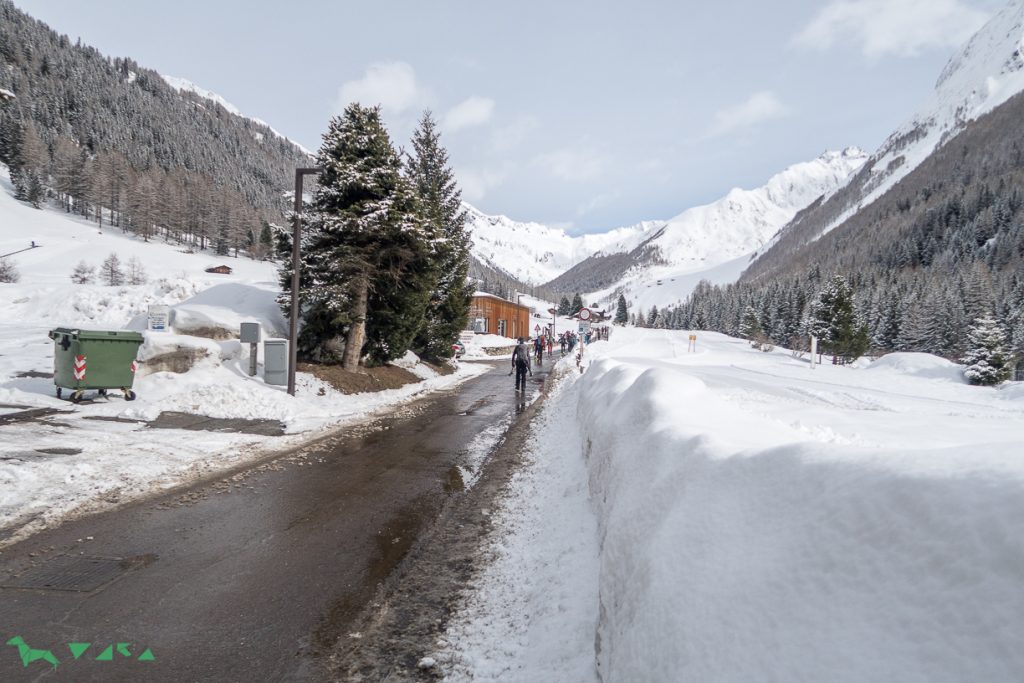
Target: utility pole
x=293 y=323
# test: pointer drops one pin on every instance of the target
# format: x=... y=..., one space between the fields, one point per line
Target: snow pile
x=919 y=365
x=761 y=519
x=519 y=624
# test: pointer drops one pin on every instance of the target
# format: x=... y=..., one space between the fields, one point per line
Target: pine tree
x=577 y=304
x=366 y=256
x=834 y=319
x=83 y=273
x=652 y=316
x=621 y=313
x=987 y=359
x=564 y=306
x=750 y=327
x=445 y=223
x=111 y=271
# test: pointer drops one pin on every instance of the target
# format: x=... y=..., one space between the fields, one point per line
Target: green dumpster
x=94 y=359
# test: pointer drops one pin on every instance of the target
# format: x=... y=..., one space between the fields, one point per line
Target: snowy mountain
x=983 y=75
x=714 y=240
x=535 y=253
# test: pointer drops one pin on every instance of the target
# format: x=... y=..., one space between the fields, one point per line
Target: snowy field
x=121 y=460
x=732 y=515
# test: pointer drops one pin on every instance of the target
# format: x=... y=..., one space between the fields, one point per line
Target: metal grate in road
x=82 y=573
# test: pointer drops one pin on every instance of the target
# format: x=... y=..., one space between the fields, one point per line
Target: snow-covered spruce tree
x=366 y=256
x=83 y=273
x=834 y=319
x=987 y=359
x=111 y=271
x=621 y=312
x=652 y=316
x=564 y=305
x=444 y=223
x=577 y=304
x=750 y=327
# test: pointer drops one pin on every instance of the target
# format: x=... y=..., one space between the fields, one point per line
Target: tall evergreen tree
x=445 y=224
x=987 y=359
x=621 y=312
x=367 y=268
x=577 y=304
x=564 y=306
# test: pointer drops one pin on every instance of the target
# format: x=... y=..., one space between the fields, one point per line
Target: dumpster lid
x=116 y=335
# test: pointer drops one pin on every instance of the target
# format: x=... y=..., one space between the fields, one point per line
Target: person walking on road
x=562 y=342
x=521 y=364
x=538 y=347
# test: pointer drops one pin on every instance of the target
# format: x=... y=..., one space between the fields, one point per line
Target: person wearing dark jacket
x=521 y=364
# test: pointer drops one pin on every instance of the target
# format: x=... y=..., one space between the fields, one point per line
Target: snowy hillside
x=716 y=241
x=986 y=72
x=183 y=85
x=38 y=487
x=535 y=253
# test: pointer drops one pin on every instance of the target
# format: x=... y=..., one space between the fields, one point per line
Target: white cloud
x=761 y=106
x=511 y=137
x=473 y=111
x=899 y=27
x=390 y=84
x=572 y=164
x=475 y=184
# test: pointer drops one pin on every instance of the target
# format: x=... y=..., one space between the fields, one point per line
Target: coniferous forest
x=937 y=253
x=112 y=141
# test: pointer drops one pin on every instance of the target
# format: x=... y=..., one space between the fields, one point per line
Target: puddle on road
x=454 y=483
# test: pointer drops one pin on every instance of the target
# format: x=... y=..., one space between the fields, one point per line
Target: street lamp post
x=293 y=323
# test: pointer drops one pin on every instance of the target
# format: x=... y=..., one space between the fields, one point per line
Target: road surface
x=253 y=576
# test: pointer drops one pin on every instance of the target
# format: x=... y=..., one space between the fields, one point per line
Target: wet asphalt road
x=253 y=577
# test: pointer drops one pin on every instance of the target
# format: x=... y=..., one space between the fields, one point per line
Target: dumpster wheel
x=129 y=395
x=59 y=392
x=76 y=396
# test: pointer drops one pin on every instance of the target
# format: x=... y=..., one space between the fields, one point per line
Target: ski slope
x=733 y=515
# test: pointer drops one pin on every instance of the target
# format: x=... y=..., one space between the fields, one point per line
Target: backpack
x=522 y=356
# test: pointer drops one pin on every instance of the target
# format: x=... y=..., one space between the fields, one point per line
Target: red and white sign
x=135 y=366
x=79 y=368
x=536 y=328
x=552 y=311
x=584 y=314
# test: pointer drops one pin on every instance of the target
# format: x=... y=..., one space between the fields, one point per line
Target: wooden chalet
x=491 y=314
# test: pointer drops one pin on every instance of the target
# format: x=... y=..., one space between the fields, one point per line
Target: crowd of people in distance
x=522 y=360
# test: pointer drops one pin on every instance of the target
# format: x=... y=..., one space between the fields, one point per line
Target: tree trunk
x=357 y=331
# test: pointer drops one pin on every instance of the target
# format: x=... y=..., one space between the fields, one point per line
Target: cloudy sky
x=586 y=115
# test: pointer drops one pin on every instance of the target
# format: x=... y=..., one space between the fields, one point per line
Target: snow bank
x=919 y=365
x=735 y=546
x=758 y=520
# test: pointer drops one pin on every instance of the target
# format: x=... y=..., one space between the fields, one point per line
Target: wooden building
x=493 y=315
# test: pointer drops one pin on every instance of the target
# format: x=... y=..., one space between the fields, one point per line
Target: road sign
x=552 y=311
x=584 y=326
x=536 y=328
x=585 y=314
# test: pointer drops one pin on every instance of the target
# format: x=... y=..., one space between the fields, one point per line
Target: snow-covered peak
x=184 y=85
x=536 y=253
x=986 y=72
x=744 y=220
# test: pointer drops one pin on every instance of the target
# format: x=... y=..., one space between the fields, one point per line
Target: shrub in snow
x=987 y=362
x=83 y=273
x=8 y=273
x=136 y=273
x=111 y=271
